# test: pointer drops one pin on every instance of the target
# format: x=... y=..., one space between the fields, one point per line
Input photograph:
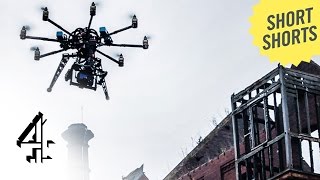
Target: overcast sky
x=200 y=53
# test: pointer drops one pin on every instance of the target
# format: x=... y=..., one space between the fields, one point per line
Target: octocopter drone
x=86 y=71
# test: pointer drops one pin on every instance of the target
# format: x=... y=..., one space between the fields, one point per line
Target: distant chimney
x=78 y=136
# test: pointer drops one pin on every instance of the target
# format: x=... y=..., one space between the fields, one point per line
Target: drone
x=86 y=71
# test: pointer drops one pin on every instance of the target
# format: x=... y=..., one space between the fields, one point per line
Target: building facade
x=262 y=138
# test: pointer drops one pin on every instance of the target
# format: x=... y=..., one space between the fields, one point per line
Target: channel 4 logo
x=36 y=130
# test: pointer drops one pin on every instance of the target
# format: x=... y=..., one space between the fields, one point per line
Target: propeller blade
x=42 y=8
x=117 y=54
x=149 y=37
x=97 y=3
x=130 y=15
x=27 y=27
x=34 y=48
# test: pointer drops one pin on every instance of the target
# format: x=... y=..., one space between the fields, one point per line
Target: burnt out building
x=272 y=133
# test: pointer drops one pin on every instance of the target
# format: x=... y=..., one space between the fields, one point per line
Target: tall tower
x=78 y=136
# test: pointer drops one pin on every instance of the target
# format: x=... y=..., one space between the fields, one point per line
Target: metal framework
x=278 y=112
x=86 y=72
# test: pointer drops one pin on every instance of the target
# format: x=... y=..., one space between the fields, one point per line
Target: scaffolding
x=273 y=117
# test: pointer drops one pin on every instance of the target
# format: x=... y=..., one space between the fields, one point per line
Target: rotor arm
x=92 y=13
x=133 y=25
x=50 y=53
x=120 y=30
x=109 y=57
x=145 y=44
x=127 y=45
x=58 y=26
x=45 y=17
x=63 y=62
x=41 y=38
x=90 y=21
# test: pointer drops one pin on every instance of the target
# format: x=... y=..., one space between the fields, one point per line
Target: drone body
x=86 y=71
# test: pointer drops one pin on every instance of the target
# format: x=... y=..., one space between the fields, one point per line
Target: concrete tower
x=78 y=136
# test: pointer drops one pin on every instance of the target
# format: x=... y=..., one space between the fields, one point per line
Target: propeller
x=145 y=42
x=130 y=15
x=134 y=21
x=45 y=13
x=121 y=59
x=149 y=37
x=93 y=7
x=27 y=27
x=23 y=32
x=36 y=50
x=40 y=8
x=117 y=54
x=98 y=3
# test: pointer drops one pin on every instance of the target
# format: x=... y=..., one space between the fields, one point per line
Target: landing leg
x=105 y=90
x=63 y=62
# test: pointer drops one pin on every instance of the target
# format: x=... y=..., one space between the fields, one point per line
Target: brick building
x=271 y=118
x=213 y=158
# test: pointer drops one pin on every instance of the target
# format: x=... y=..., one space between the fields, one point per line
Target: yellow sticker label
x=287 y=31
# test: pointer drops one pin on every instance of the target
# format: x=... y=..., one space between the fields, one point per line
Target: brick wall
x=221 y=167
